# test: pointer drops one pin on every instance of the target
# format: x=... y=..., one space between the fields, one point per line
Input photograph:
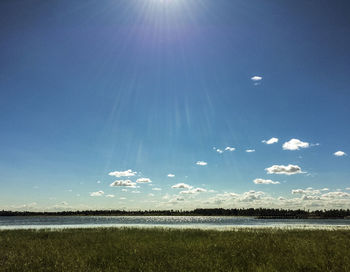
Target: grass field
x=116 y=249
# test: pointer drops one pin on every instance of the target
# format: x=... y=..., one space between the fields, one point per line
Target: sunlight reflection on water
x=199 y=222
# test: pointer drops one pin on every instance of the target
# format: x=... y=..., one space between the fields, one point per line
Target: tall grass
x=116 y=249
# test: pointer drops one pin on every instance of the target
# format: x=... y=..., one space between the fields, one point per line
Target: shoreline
x=179 y=227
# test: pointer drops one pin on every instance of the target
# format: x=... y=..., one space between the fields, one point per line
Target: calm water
x=205 y=222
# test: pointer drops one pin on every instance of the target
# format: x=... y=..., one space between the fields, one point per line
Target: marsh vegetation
x=132 y=249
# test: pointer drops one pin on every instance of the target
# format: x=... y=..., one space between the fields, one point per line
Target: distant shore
x=260 y=213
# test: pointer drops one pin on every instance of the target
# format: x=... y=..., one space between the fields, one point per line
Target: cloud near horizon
x=194 y=191
x=98 y=193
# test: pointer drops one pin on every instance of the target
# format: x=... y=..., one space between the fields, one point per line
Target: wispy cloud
x=273 y=140
x=156 y=189
x=181 y=186
x=265 y=181
x=339 y=153
x=250 y=150
x=220 y=151
x=251 y=196
x=231 y=149
x=171 y=175
x=194 y=191
x=143 y=180
x=109 y=196
x=98 y=193
x=201 y=163
x=284 y=169
x=295 y=144
x=256 y=78
x=123 y=183
x=127 y=173
x=307 y=191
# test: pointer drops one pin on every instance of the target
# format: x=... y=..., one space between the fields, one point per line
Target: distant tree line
x=259 y=213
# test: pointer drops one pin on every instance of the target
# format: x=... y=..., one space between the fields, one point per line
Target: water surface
x=202 y=222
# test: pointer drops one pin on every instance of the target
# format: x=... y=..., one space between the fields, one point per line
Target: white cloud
x=127 y=173
x=256 y=78
x=182 y=186
x=110 y=196
x=251 y=196
x=135 y=192
x=339 y=153
x=151 y=195
x=307 y=191
x=98 y=193
x=171 y=175
x=284 y=169
x=250 y=150
x=156 y=189
x=124 y=190
x=143 y=180
x=265 y=181
x=98 y=181
x=201 y=163
x=295 y=144
x=347 y=188
x=310 y=197
x=176 y=199
x=228 y=148
x=273 y=140
x=122 y=198
x=229 y=198
x=336 y=195
x=166 y=196
x=200 y=190
x=220 y=151
x=123 y=183
x=194 y=191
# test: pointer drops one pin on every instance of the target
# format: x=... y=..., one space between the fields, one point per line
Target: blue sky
x=88 y=88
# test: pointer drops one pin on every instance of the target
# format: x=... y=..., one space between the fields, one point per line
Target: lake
x=202 y=222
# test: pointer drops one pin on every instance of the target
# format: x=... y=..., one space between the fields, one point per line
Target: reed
x=132 y=249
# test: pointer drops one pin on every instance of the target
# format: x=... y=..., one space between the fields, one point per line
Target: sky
x=174 y=104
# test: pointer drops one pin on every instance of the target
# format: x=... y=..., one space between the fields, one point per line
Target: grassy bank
x=174 y=250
